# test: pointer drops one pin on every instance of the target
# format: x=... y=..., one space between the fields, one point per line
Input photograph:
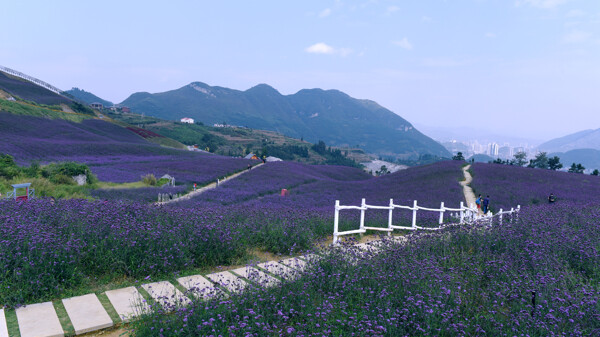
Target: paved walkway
x=467 y=190
x=207 y=187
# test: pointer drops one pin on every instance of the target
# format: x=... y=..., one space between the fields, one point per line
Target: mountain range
x=586 y=139
x=310 y=114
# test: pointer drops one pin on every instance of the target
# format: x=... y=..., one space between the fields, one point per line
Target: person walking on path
x=486 y=204
x=478 y=203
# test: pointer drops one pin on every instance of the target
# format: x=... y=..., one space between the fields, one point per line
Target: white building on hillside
x=187 y=120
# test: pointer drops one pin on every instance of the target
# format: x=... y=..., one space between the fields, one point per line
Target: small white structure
x=187 y=120
x=171 y=179
x=97 y=106
x=271 y=158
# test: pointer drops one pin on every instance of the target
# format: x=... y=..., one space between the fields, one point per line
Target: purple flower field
x=112 y=152
x=314 y=189
x=509 y=186
x=142 y=195
x=74 y=240
x=535 y=277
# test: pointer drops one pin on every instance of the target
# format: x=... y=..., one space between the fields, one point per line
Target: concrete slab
x=310 y=257
x=3 y=328
x=87 y=313
x=128 y=302
x=201 y=287
x=259 y=277
x=280 y=270
x=166 y=294
x=229 y=281
x=39 y=320
x=295 y=263
x=368 y=247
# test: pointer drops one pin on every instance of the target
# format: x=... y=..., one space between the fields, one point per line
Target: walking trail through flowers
x=208 y=187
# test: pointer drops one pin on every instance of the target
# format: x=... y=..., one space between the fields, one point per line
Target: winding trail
x=467 y=190
x=207 y=187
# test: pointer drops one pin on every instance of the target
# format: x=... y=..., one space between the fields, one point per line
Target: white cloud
x=404 y=43
x=320 y=48
x=323 y=48
x=574 y=13
x=325 y=13
x=490 y=35
x=576 y=36
x=545 y=4
x=426 y=18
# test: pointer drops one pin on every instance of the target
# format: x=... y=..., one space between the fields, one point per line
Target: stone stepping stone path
x=257 y=276
x=87 y=313
x=229 y=281
x=39 y=320
x=200 y=287
x=280 y=270
x=3 y=327
x=295 y=263
x=166 y=294
x=128 y=302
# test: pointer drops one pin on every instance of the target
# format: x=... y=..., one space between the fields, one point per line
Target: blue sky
x=527 y=68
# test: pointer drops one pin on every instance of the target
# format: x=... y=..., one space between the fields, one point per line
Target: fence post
x=414 y=218
x=390 y=217
x=512 y=215
x=462 y=213
x=336 y=218
x=518 y=210
x=363 y=205
x=500 y=220
x=442 y=213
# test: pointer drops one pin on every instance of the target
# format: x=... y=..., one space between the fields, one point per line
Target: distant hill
x=587 y=139
x=589 y=158
x=481 y=158
x=310 y=114
x=87 y=97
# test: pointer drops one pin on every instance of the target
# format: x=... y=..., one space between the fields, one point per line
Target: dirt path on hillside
x=467 y=190
x=207 y=187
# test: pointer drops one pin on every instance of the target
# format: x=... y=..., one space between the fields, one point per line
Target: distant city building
x=187 y=120
x=97 y=106
x=505 y=152
x=493 y=149
x=125 y=109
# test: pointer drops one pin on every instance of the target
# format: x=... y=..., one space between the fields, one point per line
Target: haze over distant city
x=524 y=68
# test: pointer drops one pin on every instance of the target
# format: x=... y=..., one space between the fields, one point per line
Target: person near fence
x=486 y=204
x=551 y=198
x=478 y=203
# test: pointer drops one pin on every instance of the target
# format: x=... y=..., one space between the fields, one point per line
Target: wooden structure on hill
x=29 y=192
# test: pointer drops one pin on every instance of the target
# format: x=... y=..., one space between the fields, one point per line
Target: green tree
x=554 y=163
x=595 y=173
x=382 y=171
x=520 y=159
x=541 y=160
x=459 y=156
x=576 y=168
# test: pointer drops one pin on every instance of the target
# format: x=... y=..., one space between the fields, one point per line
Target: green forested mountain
x=87 y=97
x=313 y=115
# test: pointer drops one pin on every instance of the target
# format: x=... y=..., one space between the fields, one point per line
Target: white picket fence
x=31 y=79
x=464 y=214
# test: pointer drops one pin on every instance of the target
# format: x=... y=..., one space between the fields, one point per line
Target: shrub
x=149 y=179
